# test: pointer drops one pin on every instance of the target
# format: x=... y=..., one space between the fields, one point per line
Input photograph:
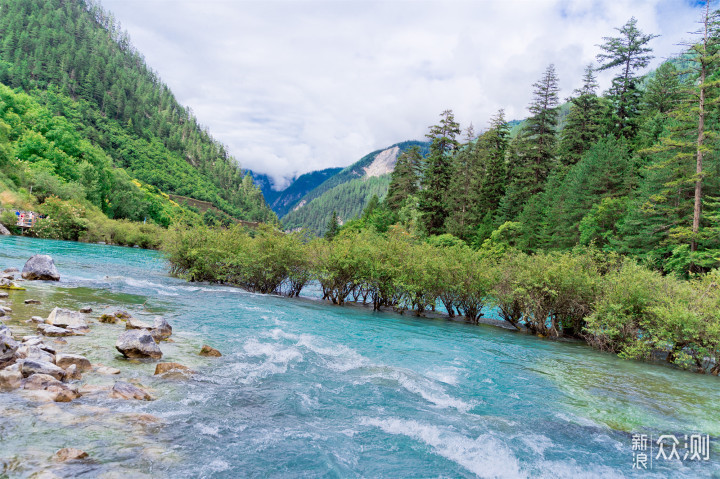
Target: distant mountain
x=282 y=201
x=348 y=191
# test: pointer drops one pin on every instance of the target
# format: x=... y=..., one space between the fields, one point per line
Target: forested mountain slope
x=349 y=191
x=75 y=60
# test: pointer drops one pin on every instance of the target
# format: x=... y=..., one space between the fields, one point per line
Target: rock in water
x=4 y=231
x=8 y=345
x=132 y=323
x=32 y=301
x=53 y=331
x=208 y=351
x=40 y=381
x=40 y=266
x=10 y=379
x=31 y=366
x=65 y=318
x=161 y=329
x=123 y=390
x=72 y=373
x=86 y=309
x=107 y=370
x=65 y=360
x=174 y=369
x=7 y=284
x=69 y=454
x=138 y=343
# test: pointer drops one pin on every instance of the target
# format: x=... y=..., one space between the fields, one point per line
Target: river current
x=307 y=389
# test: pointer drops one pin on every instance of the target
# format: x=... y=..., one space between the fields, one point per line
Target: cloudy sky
x=293 y=86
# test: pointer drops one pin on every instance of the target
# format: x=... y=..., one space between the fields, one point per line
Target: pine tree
x=333 y=226
x=533 y=153
x=405 y=178
x=462 y=198
x=437 y=172
x=662 y=92
x=583 y=125
x=679 y=176
x=629 y=53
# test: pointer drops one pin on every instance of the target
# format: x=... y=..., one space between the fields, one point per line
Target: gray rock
x=54 y=331
x=123 y=390
x=66 y=360
x=37 y=319
x=10 y=379
x=34 y=353
x=138 y=343
x=3 y=294
x=106 y=370
x=86 y=309
x=11 y=270
x=133 y=323
x=4 y=231
x=8 y=284
x=8 y=346
x=65 y=318
x=42 y=267
x=30 y=367
x=72 y=373
x=161 y=329
x=40 y=381
x=32 y=301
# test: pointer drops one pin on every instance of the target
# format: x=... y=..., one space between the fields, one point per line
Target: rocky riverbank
x=51 y=375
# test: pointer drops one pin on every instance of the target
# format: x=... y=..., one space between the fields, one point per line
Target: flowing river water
x=306 y=389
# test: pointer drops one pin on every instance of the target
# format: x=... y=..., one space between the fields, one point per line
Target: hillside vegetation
x=96 y=124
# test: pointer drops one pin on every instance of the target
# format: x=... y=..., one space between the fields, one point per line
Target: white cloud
x=295 y=86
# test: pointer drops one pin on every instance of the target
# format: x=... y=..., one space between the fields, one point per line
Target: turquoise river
x=307 y=389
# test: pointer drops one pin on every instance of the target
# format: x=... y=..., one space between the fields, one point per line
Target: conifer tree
x=437 y=172
x=671 y=200
x=533 y=155
x=583 y=125
x=405 y=178
x=628 y=52
x=663 y=90
x=462 y=198
x=333 y=226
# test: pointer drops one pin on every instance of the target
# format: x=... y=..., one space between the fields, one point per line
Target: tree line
x=611 y=302
x=634 y=170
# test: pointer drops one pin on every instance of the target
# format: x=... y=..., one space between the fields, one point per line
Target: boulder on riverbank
x=4 y=231
x=123 y=390
x=138 y=343
x=66 y=318
x=208 y=351
x=40 y=267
